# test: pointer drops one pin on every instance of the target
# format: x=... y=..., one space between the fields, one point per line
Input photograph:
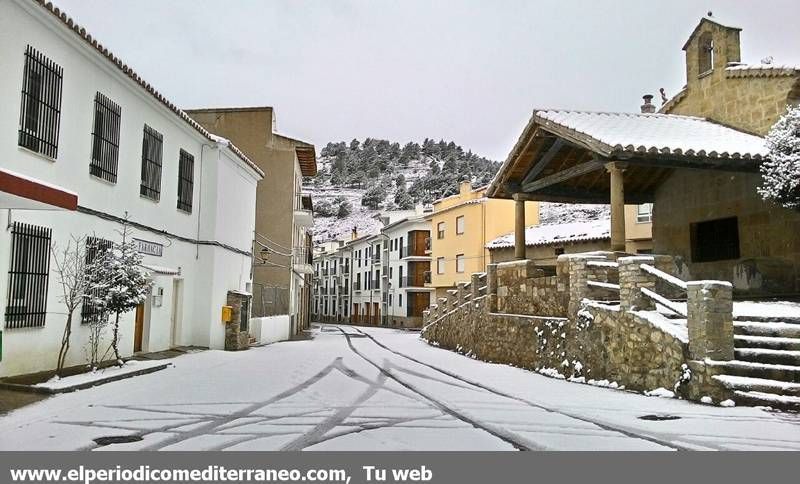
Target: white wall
x=272 y=329
x=223 y=201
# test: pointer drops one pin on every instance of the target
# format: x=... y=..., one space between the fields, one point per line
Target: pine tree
x=780 y=175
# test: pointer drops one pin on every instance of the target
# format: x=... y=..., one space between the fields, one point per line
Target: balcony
x=414 y=250
x=376 y=284
x=304 y=211
x=416 y=280
x=302 y=260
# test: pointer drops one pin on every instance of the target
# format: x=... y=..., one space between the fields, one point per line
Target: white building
x=85 y=142
x=409 y=263
x=376 y=279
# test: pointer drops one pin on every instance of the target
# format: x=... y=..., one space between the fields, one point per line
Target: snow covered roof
x=537 y=235
x=666 y=134
x=761 y=70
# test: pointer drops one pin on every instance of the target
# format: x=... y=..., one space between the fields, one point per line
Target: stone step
x=769 y=319
x=756 y=328
x=769 y=342
x=749 y=384
x=769 y=356
x=782 y=402
x=786 y=373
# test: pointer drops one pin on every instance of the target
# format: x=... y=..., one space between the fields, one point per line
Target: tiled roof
x=87 y=37
x=665 y=134
x=537 y=235
x=762 y=70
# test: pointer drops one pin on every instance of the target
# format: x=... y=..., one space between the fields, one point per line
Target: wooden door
x=138 y=329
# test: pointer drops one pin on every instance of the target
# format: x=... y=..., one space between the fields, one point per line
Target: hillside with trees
x=358 y=179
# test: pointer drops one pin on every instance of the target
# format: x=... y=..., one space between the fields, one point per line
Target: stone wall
x=237 y=337
x=769 y=261
x=580 y=339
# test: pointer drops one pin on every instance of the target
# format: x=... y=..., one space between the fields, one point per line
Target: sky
x=468 y=71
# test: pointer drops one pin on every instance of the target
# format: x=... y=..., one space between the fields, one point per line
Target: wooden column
x=519 y=228
x=617 y=206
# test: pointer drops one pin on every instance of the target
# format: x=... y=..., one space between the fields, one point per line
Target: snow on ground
x=339 y=392
x=131 y=366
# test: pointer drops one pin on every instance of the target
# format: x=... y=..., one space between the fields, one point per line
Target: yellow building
x=461 y=226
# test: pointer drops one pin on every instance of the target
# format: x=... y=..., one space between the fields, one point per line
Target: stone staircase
x=766 y=368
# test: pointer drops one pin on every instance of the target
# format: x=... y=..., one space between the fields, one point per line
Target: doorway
x=176 y=317
x=138 y=330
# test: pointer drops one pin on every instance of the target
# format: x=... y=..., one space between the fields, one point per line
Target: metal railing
x=417 y=280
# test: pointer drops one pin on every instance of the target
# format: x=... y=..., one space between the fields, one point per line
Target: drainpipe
x=200 y=201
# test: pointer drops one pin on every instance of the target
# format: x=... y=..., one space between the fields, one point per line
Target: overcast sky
x=467 y=71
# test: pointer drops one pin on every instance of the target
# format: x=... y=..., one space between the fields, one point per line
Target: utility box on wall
x=227 y=314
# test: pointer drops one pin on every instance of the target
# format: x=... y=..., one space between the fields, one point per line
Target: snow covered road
x=376 y=389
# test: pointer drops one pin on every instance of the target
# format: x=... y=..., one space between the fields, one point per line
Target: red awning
x=22 y=192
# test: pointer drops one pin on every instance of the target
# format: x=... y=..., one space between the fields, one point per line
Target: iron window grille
x=95 y=246
x=152 y=142
x=28 y=276
x=185 y=181
x=40 y=109
x=105 y=138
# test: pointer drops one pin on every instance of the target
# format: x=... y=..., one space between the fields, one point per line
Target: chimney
x=464 y=187
x=648 y=107
x=354 y=233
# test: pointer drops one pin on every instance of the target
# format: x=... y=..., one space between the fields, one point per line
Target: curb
x=81 y=386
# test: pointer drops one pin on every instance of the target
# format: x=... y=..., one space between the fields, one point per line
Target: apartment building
x=87 y=145
x=282 y=273
x=461 y=227
x=406 y=269
x=332 y=282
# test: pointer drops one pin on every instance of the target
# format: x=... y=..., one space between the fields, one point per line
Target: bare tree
x=70 y=267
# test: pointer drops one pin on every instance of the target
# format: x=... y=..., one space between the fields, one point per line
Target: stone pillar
x=462 y=293
x=631 y=281
x=519 y=229
x=491 y=286
x=475 y=285
x=617 y=207
x=578 y=284
x=710 y=320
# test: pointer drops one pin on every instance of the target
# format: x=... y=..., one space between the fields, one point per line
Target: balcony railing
x=376 y=284
x=413 y=250
x=426 y=276
x=428 y=244
x=417 y=280
x=346 y=269
x=325 y=272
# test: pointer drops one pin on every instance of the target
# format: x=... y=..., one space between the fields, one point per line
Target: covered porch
x=614 y=158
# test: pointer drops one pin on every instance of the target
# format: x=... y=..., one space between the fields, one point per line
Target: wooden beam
x=563 y=175
x=721 y=164
x=546 y=158
x=572 y=195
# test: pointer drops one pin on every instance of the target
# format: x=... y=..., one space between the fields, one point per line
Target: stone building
x=697 y=161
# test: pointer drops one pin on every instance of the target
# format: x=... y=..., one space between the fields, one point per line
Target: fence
x=269 y=300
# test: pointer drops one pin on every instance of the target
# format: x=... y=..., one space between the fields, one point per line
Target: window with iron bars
x=95 y=246
x=28 y=276
x=105 y=138
x=185 y=181
x=152 y=142
x=40 y=110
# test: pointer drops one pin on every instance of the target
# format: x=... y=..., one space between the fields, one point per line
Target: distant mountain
x=357 y=180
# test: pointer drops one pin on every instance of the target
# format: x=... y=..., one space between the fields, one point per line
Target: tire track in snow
x=501 y=434
x=604 y=426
